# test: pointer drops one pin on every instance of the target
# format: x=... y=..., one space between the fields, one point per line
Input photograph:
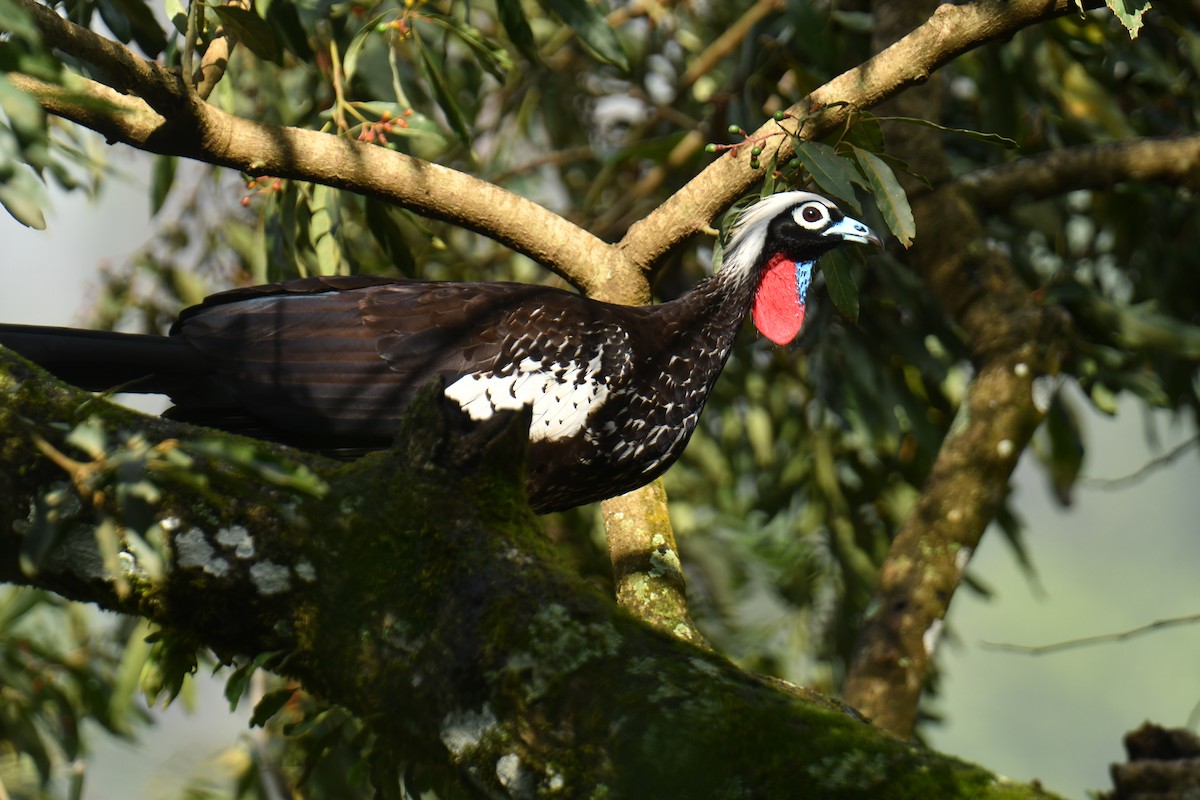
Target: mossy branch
x=1014 y=341
x=417 y=579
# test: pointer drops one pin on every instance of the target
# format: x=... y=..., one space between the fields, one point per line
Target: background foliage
x=789 y=493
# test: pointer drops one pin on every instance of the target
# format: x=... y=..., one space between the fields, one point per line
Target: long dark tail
x=102 y=360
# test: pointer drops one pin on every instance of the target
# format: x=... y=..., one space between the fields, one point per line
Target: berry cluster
x=377 y=132
x=756 y=143
x=261 y=187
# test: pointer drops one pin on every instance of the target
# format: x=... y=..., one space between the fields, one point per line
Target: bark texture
x=1014 y=340
x=417 y=579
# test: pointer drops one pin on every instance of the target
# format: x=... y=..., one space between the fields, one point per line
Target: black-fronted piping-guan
x=331 y=363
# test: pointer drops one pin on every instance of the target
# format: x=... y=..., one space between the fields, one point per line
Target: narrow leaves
x=891 y=199
x=443 y=93
x=593 y=30
x=354 y=49
x=831 y=173
x=250 y=29
x=492 y=58
x=839 y=280
x=21 y=195
x=512 y=17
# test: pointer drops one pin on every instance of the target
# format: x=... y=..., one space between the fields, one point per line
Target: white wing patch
x=562 y=395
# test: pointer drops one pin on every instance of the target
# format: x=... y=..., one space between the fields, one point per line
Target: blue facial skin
x=804 y=271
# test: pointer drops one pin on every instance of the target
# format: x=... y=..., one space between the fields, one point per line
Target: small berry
x=756 y=151
x=246 y=202
x=754 y=163
x=710 y=148
x=735 y=128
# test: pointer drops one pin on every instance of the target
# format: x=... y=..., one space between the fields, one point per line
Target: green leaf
x=1064 y=450
x=383 y=224
x=162 y=178
x=177 y=14
x=760 y=433
x=239 y=679
x=16 y=603
x=323 y=231
x=1130 y=13
x=251 y=30
x=285 y=19
x=350 y=60
x=443 y=93
x=593 y=30
x=22 y=196
x=866 y=132
x=769 y=180
x=15 y=20
x=1104 y=399
x=839 y=280
x=25 y=114
x=512 y=17
x=830 y=172
x=132 y=20
x=492 y=58
x=889 y=196
x=269 y=706
x=128 y=677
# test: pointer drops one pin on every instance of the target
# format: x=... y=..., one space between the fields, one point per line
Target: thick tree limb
x=171 y=121
x=417 y=580
x=1013 y=341
x=647 y=570
x=1173 y=160
x=207 y=134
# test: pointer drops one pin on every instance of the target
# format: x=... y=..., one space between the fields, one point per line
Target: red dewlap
x=778 y=309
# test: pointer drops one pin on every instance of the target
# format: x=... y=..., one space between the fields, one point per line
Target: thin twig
x=1144 y=471
x=1088 y=640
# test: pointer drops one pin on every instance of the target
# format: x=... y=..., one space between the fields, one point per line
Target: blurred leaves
x=890 y=198
x=1130 y=13
x=250 y=30
x=805 y=459
x=58 y=665
x=589 y=24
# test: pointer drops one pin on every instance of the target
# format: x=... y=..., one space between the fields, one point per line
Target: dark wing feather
x=334 y=361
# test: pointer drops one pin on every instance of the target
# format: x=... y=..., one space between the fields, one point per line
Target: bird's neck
x=709 y=317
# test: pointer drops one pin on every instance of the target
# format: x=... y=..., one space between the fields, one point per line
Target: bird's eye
x=813 y=216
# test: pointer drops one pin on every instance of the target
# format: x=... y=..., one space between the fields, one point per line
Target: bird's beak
x=851 y=230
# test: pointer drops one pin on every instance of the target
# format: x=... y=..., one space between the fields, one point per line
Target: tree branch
x=948 y=33
x=1013 y=341
x=513 y=673
x=1173 y=160
x=188 y=127
x=172 y=121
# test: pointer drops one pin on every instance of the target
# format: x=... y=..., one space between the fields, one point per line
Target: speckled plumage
x=331 y=363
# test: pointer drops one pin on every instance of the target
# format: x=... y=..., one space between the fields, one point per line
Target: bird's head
x=775 y=245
